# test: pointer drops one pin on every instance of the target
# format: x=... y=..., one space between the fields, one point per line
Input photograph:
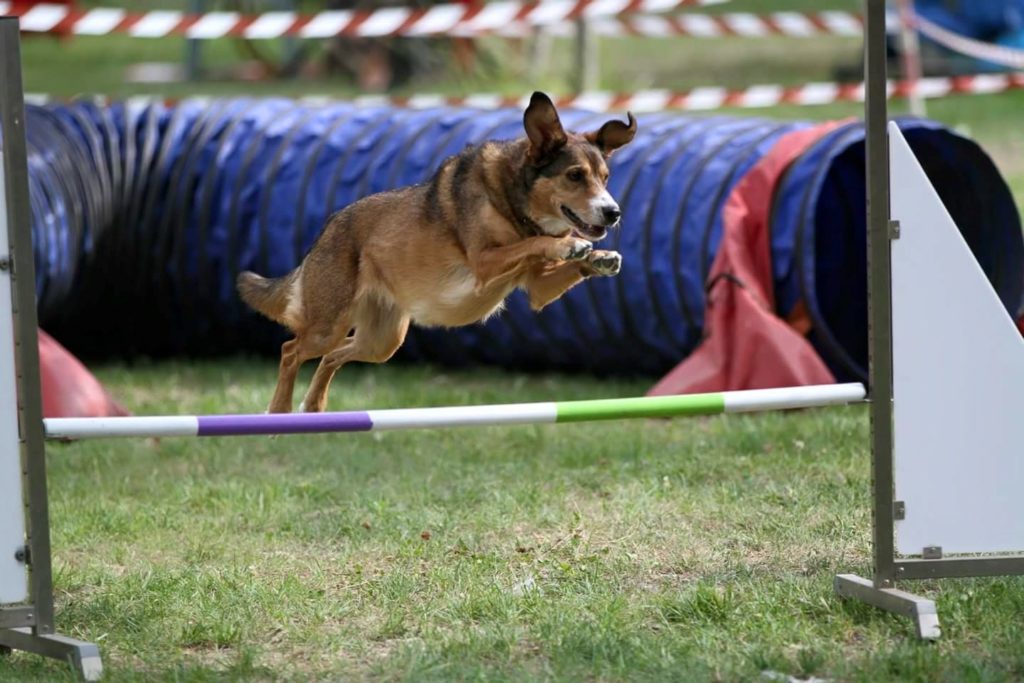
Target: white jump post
x=13 y=574
x=26 y=590
x=946 y=407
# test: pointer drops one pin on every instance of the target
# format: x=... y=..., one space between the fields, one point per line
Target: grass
x=689 y=549
x=693 y=550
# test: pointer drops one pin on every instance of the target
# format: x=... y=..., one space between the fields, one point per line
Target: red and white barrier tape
x=742 y=24
x=451 y=19
x=997 y=54
x=698 y=99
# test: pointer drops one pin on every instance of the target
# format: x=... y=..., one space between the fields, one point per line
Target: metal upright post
x=586 y=69
x=880 y=592
x=39 y=636
x=879 y=295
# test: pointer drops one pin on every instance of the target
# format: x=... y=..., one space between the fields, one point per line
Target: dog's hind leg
x=289 y=369
x=379 y=332
x=310 y=342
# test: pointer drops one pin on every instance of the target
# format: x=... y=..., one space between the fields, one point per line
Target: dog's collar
x=526 y=226
x=530 y=226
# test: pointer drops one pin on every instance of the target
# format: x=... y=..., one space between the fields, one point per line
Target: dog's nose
x=612 y=214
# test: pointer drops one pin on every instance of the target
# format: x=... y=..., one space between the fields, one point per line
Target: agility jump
x=557 y=412
x=946 y=473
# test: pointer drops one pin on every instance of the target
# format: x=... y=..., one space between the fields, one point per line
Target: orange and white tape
x=697 y=99
x=740 y=24
x=450 y=19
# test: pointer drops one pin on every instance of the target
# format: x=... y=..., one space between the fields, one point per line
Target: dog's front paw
x=576 y=250
x=605 y=262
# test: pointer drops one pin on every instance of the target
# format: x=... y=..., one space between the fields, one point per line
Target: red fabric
x=69 y=389
x=747 y=346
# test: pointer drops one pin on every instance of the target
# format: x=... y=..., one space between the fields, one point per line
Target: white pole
x=456 y=416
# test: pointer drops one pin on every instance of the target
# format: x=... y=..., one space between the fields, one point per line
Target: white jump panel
x=13 y=579
x=958 y=382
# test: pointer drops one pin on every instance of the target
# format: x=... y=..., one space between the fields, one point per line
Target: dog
x=498 y=216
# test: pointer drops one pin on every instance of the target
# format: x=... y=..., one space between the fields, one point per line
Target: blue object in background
x=1000 y=22
x=144 y=214
x=980 y=19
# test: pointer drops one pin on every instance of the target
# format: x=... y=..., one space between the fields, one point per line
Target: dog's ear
x=543 y=127
x=612 y=135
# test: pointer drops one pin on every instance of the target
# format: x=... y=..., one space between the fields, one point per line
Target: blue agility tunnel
x=144 y=214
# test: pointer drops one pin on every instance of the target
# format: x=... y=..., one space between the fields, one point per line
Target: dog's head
x=567 y=173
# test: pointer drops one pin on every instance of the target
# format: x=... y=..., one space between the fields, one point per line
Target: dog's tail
x=266 y=295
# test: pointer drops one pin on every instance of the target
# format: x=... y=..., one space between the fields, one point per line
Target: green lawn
x=700 y=549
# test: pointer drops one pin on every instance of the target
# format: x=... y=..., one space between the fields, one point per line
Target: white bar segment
x=99 y=22
x=327 y=24
x=426 y=101
x=384 y=21
x=483 y=101
x=649 y=100
x=746 y=24
x=794 y=24
x=650 y=25
x=213 y=25
x=605 y=8
x=43 y=17
x=934 y=87
x=437 y=19
x=700 y=25
x=95 y=427
x=463 y=416
x=550 y=12
x=493 y=15
x=762 y=96
x=842 y=23
x=818 y=93
x=793 y=397
x=270 y=25
x=706 y=98
x=989 y=83
x=593 y=101
x=155 y=24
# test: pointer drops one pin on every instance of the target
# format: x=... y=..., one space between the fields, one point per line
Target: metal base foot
x=83 y=657
x=921 y=610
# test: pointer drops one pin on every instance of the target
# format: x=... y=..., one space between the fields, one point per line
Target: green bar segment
x=648 y=406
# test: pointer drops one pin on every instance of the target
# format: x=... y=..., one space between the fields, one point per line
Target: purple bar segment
x=283 y=423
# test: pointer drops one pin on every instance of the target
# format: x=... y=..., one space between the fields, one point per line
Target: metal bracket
x=932 y=552
x=83 y=657
x=899 y=510
x=921 y=610
x=894 y=230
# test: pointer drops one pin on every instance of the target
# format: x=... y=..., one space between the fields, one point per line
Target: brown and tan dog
x=498 y=216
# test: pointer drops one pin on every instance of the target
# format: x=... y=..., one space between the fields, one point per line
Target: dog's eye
x=575 y=175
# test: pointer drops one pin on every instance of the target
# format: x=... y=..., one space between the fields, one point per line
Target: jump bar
x=455 y=416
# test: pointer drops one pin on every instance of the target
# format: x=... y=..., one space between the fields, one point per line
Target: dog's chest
x=456 y=300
